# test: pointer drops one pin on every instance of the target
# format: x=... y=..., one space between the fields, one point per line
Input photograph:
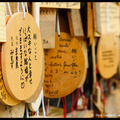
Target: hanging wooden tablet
x=114 y=14
x=75 y=23
x=12 y=112
x=90 y=22
x=5 y=98
x=65 y=5
x=22 y=56
x=108 y=55
x=34 y=106
x=64 y=66
x=2 y=22
x=87 y=20
x=47 y=27
x=96 y=17
x=84 y=48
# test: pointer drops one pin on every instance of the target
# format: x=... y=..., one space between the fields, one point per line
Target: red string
x=45 y=104
x=96 y=70
x=34 y=113
x=96 y=84
x=86 y=101
x=64 y=105
x=76 y=98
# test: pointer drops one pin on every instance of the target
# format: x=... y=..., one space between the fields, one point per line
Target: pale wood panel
x=66 y=5
x=113 y=17
x=75 y=23
x=47 y=27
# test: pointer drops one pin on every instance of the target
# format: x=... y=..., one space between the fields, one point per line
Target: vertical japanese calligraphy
x=23 y=64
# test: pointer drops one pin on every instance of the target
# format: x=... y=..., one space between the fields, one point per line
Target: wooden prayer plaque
x=5 y=98
x=12 y=112
x=87 y=20
x=96 y=17
x=64 y=67
x=75 y=23
x=2 y=22
x=113 y=15
x=22 y=56
x=108 y=55
x=47 y=27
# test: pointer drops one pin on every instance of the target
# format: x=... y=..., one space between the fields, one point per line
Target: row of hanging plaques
x=22 y=61
x=59 y=69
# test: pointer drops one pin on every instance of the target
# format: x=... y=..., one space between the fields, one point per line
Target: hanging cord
x=108 y=18
x=76 y=99
x=48 y=106
x=58 y=23
x=27 y=111
x=9 y=8
x=23 y=7
x=58 y=104
x=43 y=103
x=39 y=16
x=91 y=102
x=18 y=6
x=26 y=6
x=37 y=113
x=64 y=105
x=5 y=10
